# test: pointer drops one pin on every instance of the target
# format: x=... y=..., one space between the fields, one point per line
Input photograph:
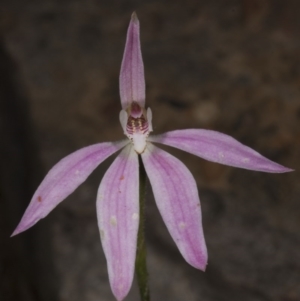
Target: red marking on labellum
x=137 y=125
x=137 y=122
x=39 y=198
x=135 y=110
x=122 y=178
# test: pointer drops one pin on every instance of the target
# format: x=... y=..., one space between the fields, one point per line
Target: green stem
x=140 y=262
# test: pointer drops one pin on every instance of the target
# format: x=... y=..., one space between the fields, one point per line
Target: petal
x=177 y=199
x=217 y=147
x=63 y=179
x=118 y=219
x=123 y=116
x=132 y=82
x=149 y=119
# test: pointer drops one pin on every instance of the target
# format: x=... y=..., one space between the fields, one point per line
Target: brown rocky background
x=230 y=66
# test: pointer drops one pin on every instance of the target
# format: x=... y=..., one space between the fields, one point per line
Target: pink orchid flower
x=174 y=187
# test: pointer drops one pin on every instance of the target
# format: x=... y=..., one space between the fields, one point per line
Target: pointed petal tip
x=16 y=232
x=120 y=291
x=286 y=169
x=277 y=168
x=199 y=263
x=23 y=227
x=134 y=17
x=119 y=297
x=203 y=269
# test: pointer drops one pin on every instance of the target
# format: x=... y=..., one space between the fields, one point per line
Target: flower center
x=137 y=124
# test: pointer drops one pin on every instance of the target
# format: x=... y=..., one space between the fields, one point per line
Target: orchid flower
x=174 y=188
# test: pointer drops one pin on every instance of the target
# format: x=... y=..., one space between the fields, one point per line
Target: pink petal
x=118 y=219
x=63 y=179
x=132 y=82
x=217 y=147
x=177 y=199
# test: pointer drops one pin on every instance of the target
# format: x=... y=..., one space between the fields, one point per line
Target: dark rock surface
x=25 y=274
x=230 y=66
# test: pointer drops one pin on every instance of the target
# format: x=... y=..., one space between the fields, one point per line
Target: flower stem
x=140 y=262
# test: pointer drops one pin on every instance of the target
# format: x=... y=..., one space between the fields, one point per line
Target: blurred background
x=230 y=66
